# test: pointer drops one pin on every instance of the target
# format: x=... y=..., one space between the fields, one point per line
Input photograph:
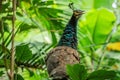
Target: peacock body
x=66 y=50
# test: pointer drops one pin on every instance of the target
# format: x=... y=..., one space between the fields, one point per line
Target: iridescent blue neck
x=69 y=37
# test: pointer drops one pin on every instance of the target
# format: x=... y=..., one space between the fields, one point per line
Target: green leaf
x=25 y=27
x=54 y=38
x=43 y=3
x=83 y=38
x=23 y=52
x=76 y=72
x=18 y=77
x=102 y=75
x=100 y=24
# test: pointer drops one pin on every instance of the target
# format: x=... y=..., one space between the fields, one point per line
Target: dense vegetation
x=38 y=27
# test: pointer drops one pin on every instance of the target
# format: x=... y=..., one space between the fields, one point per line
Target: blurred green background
x=39 y=25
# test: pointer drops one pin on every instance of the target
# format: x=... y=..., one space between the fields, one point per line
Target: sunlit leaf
x=100 y=24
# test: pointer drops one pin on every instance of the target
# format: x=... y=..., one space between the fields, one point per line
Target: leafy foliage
x=78 y=72
x=99 y=26
x=38 y=27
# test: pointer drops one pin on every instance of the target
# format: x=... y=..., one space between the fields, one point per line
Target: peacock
x=66 y=50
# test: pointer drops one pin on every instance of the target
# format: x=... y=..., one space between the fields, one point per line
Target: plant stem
x=101 y=58
x=12 y=40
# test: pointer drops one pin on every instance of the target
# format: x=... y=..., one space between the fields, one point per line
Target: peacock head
x=76 y=13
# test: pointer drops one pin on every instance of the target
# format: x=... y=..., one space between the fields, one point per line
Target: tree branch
x=25 y=65
x=12 y=40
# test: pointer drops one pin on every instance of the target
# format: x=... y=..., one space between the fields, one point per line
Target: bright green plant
x=38 y=27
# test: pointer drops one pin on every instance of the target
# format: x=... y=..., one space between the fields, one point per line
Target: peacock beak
x=82 y=12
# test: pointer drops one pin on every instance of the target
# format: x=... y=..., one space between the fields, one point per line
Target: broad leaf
x=76 y=72
x=99 y=24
